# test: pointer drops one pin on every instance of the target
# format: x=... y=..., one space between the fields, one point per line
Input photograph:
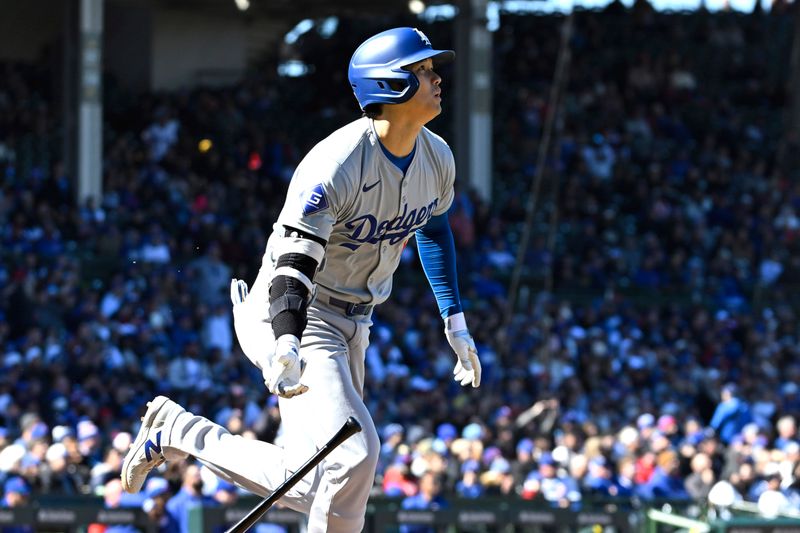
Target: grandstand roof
x=291 y=9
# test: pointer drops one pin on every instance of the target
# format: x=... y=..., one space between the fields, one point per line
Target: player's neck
x=397 y=136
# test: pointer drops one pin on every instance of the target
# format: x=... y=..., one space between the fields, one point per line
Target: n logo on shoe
x=156 y=447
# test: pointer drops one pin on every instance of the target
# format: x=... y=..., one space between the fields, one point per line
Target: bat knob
x=353 y=425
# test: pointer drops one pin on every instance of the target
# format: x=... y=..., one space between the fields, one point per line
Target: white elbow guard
x=290 y=241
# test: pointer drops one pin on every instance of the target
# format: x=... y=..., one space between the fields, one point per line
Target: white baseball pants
x=334 y=495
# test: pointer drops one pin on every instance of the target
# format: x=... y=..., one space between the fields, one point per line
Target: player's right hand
x=468 y=366
x=285 y=369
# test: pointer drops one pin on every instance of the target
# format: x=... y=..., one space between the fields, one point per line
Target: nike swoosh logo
x=367 y=188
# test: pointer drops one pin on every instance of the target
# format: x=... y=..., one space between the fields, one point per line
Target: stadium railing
x=74 y=515
x=659 y=522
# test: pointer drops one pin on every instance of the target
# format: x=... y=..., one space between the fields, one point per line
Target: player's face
x=426 y=103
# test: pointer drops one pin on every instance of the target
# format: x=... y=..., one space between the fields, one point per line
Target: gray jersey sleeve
x=319 y=193
x=447 y=175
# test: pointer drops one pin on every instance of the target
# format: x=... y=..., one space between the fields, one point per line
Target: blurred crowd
x=664 y=360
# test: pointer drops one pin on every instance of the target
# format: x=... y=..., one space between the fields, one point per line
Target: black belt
x=350 y=308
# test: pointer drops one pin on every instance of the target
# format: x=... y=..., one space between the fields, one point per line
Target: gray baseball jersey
x=349 y=193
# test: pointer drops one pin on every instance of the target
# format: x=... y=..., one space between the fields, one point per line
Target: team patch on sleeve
x=314 y=200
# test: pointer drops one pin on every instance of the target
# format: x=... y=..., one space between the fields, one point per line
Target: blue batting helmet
x=377 y=66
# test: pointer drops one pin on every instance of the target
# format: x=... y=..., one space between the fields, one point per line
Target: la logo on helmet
x=423 y=37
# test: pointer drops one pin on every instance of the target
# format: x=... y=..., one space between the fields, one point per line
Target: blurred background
x=626 y=221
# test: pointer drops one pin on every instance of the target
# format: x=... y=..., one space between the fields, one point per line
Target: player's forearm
x=291 y=288
x=289 y=296
x=437 y=254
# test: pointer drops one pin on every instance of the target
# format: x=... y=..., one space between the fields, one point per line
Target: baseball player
x=353 y=203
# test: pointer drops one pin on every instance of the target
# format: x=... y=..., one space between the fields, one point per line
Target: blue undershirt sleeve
x=437 y=253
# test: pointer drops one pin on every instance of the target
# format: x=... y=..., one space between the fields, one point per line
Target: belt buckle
x=351 y=308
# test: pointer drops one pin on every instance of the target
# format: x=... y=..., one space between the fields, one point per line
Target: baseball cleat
x=146 y=452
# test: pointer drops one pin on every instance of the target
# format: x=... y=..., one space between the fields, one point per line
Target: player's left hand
x=468 y=366
x=286 y=368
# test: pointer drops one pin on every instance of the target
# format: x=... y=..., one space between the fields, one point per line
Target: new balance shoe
x=146 y=451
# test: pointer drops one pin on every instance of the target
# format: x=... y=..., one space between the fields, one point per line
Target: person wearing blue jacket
x=428 y=498
x=731 y=414
x=189 y=497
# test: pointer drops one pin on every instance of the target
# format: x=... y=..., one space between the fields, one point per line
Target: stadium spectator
x=161 y=135
x=599 y=479
x=698 y=484
x=469 y=486
x=731 y=415
x=547 y=483
x=16 y=493
x=113 y=499
x=190 y=496
x=787 y=433
x=157 y=492
x=624 y=481
x=429 y=497
x=666 y=481
x=54 y=475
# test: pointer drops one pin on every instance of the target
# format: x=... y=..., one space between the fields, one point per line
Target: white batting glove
x=279 y=364
x=468 y=366
x=283 y=376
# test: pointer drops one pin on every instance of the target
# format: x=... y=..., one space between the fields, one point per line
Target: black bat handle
x=350 y=428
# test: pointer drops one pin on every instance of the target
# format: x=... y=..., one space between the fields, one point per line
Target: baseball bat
x=350 y=428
